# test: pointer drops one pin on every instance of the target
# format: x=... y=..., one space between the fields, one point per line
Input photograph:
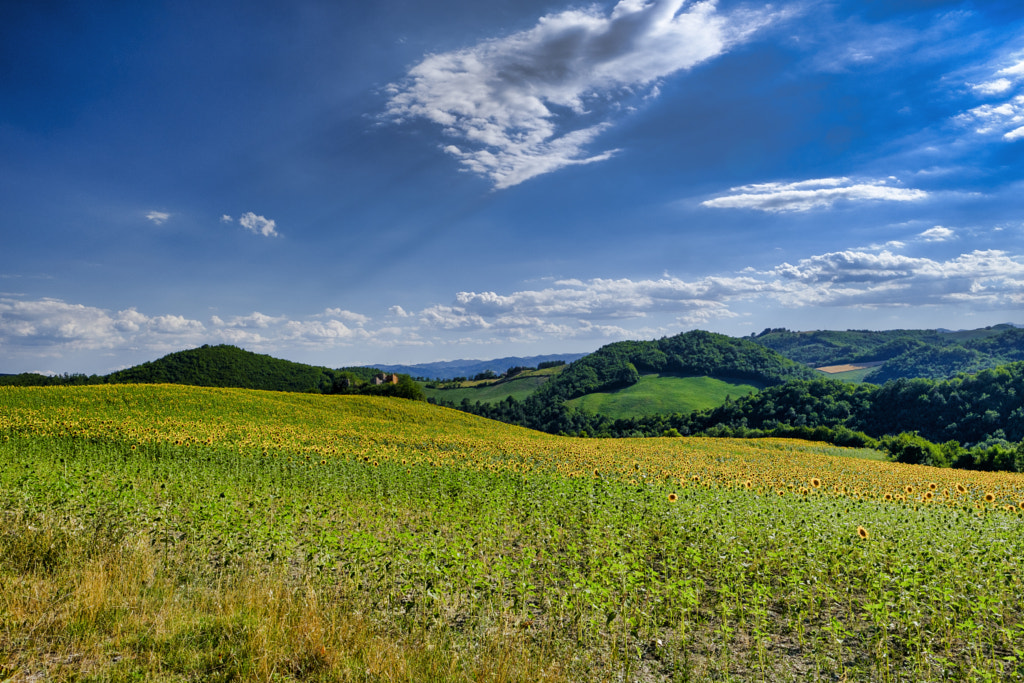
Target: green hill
x=664 y=393
x=518 y=387
x=228 y=366
x=691 y=354
x=932 y=354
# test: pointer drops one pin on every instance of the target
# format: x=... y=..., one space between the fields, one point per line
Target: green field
x=855 y=376
x=518 y=387
x=664 y=393
x=171 y=533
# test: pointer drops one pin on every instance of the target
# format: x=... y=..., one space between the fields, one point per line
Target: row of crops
x=440 y=533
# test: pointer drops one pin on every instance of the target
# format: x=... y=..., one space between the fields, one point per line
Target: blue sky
x=345 y=183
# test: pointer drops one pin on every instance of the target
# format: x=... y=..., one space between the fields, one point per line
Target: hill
x=228 y=366
x=626 y=380
x=519 y=386
x=885 y=355
x=664 y=393
x=694 y=354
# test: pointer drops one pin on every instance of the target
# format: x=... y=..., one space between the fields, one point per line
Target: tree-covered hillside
x=695 y=353
x=933 y=354
x=228 y=366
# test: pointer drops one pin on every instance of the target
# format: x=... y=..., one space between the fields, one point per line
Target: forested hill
x=933 y=354
x=691 y=353
x=229 y=366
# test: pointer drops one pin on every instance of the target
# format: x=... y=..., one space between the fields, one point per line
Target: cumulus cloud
x=990 y=277
x=348 y=316
x=531 y=102
x=594 y=309
x=937 y=234
x=1003 y=79
x=805 y=195
x=1003 y=118
x=158 y=217
x=53 y=326
x=857 y=278
x=258 y=224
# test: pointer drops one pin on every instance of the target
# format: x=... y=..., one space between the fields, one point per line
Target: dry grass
x=94 y=609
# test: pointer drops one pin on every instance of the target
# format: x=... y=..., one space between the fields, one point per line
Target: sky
x=345 y=183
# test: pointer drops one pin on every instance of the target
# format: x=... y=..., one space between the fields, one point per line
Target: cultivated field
x=171 y=533
x=664 y=394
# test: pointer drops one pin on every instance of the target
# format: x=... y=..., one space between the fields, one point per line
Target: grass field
x=664 y=393
x=855 y=376
x=518 y=387
x=168 y=533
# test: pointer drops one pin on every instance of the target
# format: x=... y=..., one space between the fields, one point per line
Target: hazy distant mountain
x=468 y=368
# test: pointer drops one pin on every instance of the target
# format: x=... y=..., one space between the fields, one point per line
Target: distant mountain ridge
x=449 y=369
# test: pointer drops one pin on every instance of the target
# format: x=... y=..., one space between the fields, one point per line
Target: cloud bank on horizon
x=530 y=103
x=586 y=310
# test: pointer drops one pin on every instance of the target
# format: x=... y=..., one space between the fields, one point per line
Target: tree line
x=972 y=421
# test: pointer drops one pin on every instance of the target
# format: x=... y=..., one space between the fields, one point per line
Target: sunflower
x=960 y=488
x=816 y=483
x=909 y=489
x=672 y=497
x=990 y=498
x=863 y=533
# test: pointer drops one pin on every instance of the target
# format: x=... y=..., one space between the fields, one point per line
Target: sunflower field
x=171 y=533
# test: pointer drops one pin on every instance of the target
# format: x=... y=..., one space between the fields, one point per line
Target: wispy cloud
x=530 y=103
x=158 y=217
x=805 y=195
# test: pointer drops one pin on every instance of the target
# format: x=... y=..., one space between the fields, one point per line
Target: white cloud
x=1005 y=118
x=937 y=234
x=806 y=195
x=158 y=217
x=530 y=103
x=597 y=309
x=995 y=87
x=996 y=119
x=347 y=316
x=857 y=278
x=226 y=219
x=258 y=224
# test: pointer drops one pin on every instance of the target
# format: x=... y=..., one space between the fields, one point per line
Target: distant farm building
x=385 y=378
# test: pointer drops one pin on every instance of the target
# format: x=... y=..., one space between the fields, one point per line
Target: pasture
x=176 y=533
x=664 y=393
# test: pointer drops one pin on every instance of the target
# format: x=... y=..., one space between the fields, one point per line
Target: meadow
x=174 y=533
x=664 y=393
